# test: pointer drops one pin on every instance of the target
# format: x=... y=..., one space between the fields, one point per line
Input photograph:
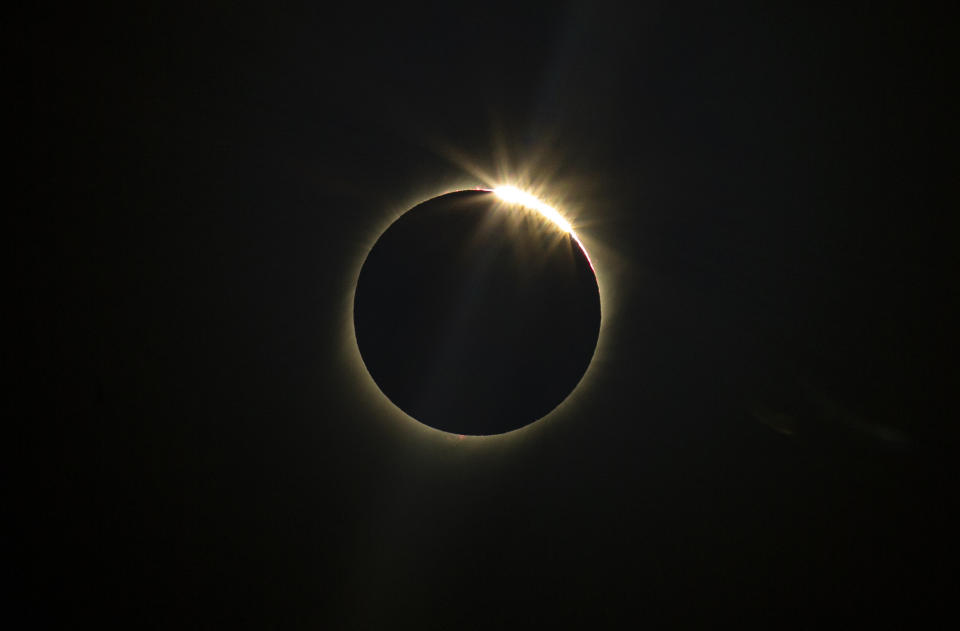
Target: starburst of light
x=513 y=195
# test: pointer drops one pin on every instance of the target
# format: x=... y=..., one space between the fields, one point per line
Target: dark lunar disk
x=475 y=316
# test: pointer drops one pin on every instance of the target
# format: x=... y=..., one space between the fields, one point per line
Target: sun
x=513 y=195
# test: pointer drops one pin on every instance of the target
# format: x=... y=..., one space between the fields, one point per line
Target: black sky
x=770 y=417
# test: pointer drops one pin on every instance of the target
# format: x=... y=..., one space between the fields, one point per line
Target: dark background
x=765 y=431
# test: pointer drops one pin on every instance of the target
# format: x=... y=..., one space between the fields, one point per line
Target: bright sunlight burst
x=513 y=195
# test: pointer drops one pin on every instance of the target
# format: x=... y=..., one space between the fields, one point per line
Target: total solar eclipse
x=477 y=312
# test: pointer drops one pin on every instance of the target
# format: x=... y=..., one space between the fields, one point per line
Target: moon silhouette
x=477 y=313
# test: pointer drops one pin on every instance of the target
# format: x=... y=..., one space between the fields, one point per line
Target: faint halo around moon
x=476 y=315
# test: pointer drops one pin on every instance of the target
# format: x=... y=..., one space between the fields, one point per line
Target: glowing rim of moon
x=511 y=195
